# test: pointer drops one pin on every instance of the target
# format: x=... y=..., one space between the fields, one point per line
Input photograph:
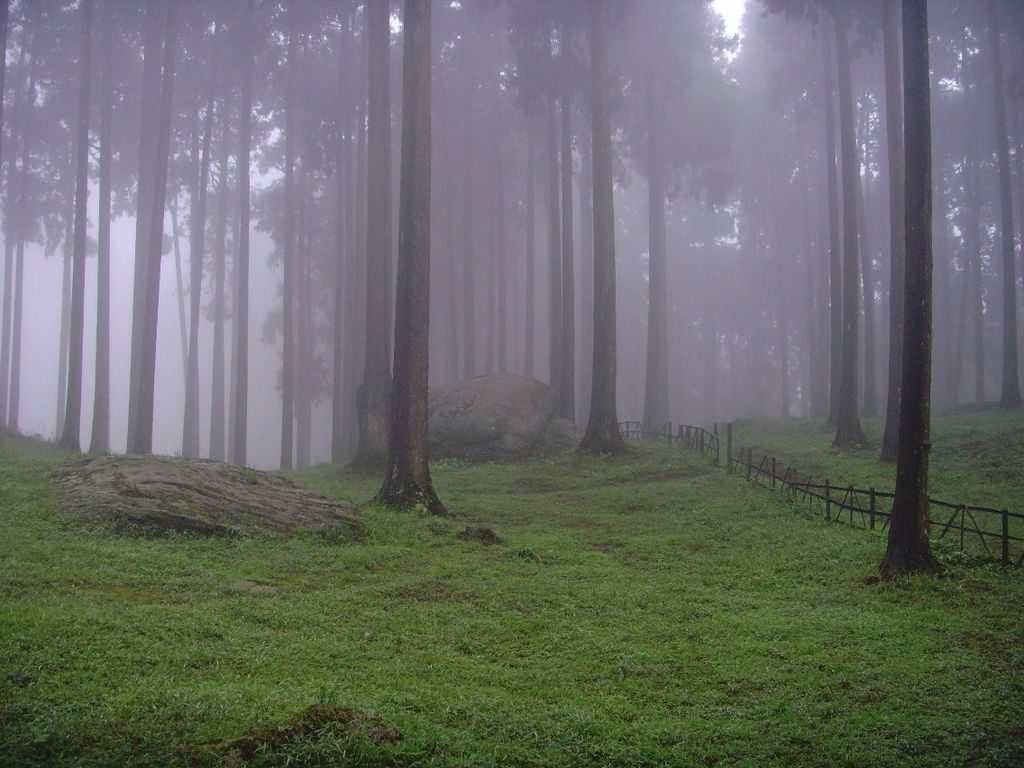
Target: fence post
x=750 y=461
x=1006 y=536
x=773 y=472
x=871 y=508
x=728 y=445
x=718 y=446
x=828 y=500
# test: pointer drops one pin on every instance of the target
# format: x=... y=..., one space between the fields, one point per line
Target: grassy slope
x=645 y=611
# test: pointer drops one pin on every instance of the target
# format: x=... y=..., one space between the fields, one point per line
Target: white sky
x=732 y=12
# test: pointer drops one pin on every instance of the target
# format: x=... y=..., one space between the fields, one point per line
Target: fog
x=728 y=122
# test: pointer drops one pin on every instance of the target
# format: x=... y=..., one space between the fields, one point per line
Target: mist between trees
x=750 y=253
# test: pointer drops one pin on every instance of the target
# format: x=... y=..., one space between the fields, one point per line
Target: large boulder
x=152 y=495
x=494 y=417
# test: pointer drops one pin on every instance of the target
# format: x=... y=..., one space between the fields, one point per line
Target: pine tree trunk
x=586 y=345
x=554 y=250
x=240 y=349
x=908 y=548
x=848 y=429
x=868 y=285
x=468 y=282
x=342 y=177
x=217 y=421
x=567 y=336
x=502 y=267
x=71 y=435
x=288 y=253
x=531 y=250
x=100 y=441
x=656 y=381
x=603 y=435
x=152 y=49
x=375 y=391
x=14 y=413
x=835 y=273
x=894 y=142
x=1010 y=393
x=65 y=312
x=196 y=253
x=407 y=483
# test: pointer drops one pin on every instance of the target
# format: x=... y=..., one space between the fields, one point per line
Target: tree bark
x=375 y=391
x=603 y=435
x=897 y=268
x=196 y=253
x=71 y=436
x=100 y=441
x=288 y=252
x=407 y=483
x=144 y=207
x=908 y=548
x=531 y=249
x=554 y=250
x=567 y=346
x=656 y=382
x=1010 y=394
x=835 y=273
x=241 y=331
x=848 y=429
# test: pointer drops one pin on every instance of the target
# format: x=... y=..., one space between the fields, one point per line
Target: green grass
x=644 y=611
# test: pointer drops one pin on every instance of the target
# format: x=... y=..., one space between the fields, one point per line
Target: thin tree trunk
x=586 y=345
x=65 y=312
x=554 y=250
x=180 y=280
x=835 y=273
x=1010 y=394
x=375 y=391
x=342 y=176
x=196 y=253
x=868 y=284
x=144 y=207
x=468 y=283
x=848 y=429
x=288 y=252
x=531 y=250
x=71 y=435
x=217 y=422
x=502 y=267
x=894 y=142
x=656 y=412
x=603 y=434
x=142 y=441
x=303 y=336
x=908 y=548
x=567 y=372
x=100 y=442
x=407 y=481
x=241 y=335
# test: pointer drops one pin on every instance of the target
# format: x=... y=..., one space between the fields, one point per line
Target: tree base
x=850 y=436
x=901 y=561
x=412 y=497
x=1011 y=402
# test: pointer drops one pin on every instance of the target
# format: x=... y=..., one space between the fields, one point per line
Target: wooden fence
x=987 y=531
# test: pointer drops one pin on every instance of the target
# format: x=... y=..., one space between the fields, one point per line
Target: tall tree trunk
x=848 y=430
x=196 y=253
x=468 y=282
x=65 y=309
x=835 y=272
x=152 y=51
x=288 y=252
x=14 y=413
x=567 y=367
x=1010 y=394
x=71 y=435
x=603 y=434
x=972 y=245
x=531 y=249
x=180 y=279
x=375 y=391
x=143 y=438
x=342 y=177
x=656 y=412
x=897 y=269
x=502 y=267
x=303 y=336
x=942 y=333
x=11 y=237
x=100 y=442
x=908 y=549
x=554 y=250
x=241 y=334
x=407 y=481
x=217 y=422
x=868 y=284
x=586 y=345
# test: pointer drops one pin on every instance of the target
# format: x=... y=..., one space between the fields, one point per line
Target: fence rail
x=987 y=531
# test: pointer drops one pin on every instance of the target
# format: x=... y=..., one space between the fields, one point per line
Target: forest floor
x=645 y=610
